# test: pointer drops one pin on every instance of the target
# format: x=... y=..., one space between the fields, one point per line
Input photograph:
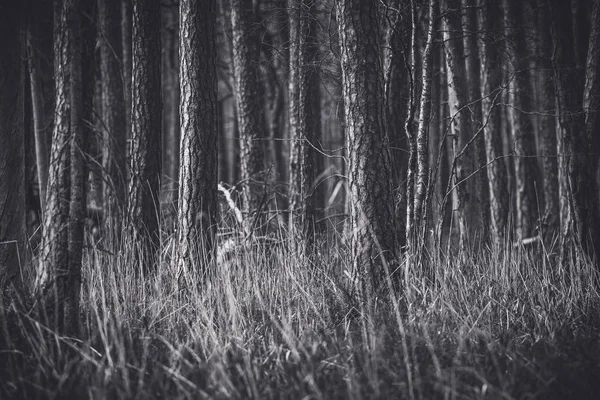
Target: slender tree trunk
x=396 y=91
x=491 y=95
x=78 y=139
x=460 y=126
x=146 y=113
x=591 y=92
x=113 y=113
x=39 y=113
x=423 y=172
x=126 y=29
x=521 y=125
x=547 y=123
x=57 y=281
x=199 y=129
x=13 y=233
x=251 y=121
x=369 y=175
x=473 y=65
x=303 y=124
x=578 y=148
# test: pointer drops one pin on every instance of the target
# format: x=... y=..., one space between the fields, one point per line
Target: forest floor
x=500 y=323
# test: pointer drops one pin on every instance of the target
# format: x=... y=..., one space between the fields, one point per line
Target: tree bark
x=303 y=124
x=146 y=114
x=113 y=114
x=579 y=149
x=13 y=234
x=57 y=283
x=491 y=95
x=547 y=123
x=464 y=206
x=39 y=113
x=473 y=67
x=199 y=118
x=251 y=119
x=422 y=176
x=373 y=237
x=521 y=125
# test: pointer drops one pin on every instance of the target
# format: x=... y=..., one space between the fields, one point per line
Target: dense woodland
x=299 y=198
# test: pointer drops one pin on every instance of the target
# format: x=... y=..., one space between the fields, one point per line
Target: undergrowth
x=268 y=323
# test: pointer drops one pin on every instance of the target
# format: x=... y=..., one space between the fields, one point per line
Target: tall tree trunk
x=199 y=129
x=13 y=233
x=146 y=113
x=396 y=91
x=113 y=113
x=423 y=172
x=57 y=282
x=39 y=112
x=369 y=174
x=578 y=148
x=78 y=141
x=460 y=126
x=547 y=123
x=126 y=43
x=251 y=120
x=303 y=129
x=473 y=65
x=491 y=95
x=521 y=125
x=591 y=90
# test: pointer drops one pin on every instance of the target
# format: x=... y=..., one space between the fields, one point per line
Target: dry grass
x=502 y=323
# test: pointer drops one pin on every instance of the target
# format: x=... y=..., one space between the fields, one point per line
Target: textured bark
x=303 y=124
x=547 y=123
x=13 y=234
x=126 y=21
x=473 y=65
x=422 y=178
x=113 y=113
x=464 y=206
x=199 y=129
x=396 y=91
x=369 y=175
x=146 y=114
x=521 y=125
x=591 y=90
x=251 y=120
x=491 y=82
x=78 y=139
x=39 y=112
x=57 y=283
x=171 y=96
x=409 y=126
x=578 y=149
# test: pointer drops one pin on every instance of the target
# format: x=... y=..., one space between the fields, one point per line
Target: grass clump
x=268 y=323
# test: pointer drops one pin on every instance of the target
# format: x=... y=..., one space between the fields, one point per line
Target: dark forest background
x=299 y=198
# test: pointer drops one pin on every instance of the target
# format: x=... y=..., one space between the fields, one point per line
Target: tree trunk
x=57 y=282
x=422 y=176
x=473 y=66
x=251 y=120
x=521 y=126
x=146 y=113
x=547 y=124
x=491 y=94
x=39 y=113
x=126 y=21
x=373 y=238
x=13 y=233
x=113 y=114
x=199 y=131
x=578 y=148
x=460 y=127
x=303 y=129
